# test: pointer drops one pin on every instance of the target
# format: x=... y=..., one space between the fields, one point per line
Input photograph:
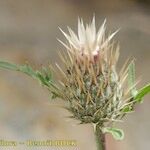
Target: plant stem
x=100 y=138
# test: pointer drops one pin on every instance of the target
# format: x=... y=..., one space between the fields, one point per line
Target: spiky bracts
x=93 y=88
x=95 y=92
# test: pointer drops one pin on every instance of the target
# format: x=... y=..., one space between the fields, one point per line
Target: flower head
x=94 y=90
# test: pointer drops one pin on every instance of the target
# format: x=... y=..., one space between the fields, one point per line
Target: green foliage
x=137 y=95
x=131 y=78
x=141 y=93
x=44 y=76
x=7 y=65
x=118 y=134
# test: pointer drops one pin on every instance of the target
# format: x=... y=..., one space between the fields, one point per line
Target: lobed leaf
x=44 y=76
x=22 y=68
x=118 y=134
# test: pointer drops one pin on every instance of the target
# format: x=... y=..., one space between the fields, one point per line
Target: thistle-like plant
x=94 y=91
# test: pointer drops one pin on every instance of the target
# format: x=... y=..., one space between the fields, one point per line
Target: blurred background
x=28 y=32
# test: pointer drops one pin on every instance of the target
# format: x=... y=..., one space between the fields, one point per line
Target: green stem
x=100 y=138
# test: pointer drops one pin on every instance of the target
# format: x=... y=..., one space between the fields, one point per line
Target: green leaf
x=131 y=78
x=22 y=68
x=27 y=70
x=118 y=134
x=142 y=92
x=43 y=76
x=7 y=65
